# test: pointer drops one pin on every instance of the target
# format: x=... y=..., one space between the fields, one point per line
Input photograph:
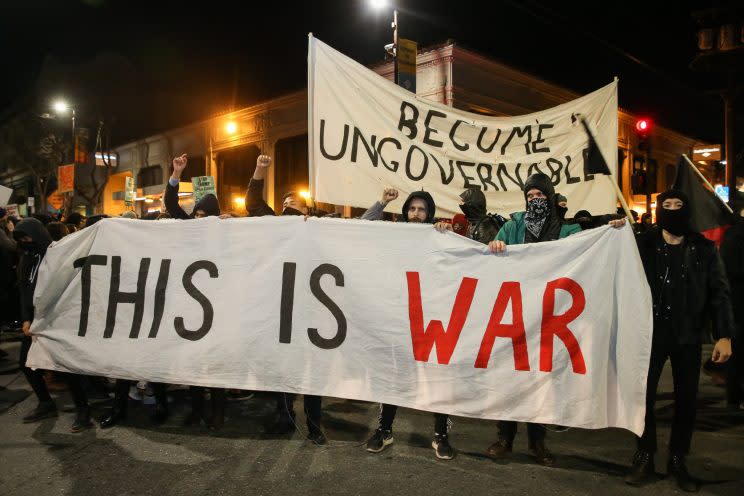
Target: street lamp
x=391 y=49
x=61 y=107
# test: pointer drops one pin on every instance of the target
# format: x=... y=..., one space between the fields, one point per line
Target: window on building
x=150 y=176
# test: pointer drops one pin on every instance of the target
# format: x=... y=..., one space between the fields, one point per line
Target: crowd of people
x=690 y=282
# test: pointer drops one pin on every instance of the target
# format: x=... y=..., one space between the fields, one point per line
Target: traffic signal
x=643 y=129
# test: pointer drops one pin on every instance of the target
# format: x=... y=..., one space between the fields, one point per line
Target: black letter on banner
x=519 y=132
x=480 y=140
x=408 y=164
x=431 y=130
x=160 y=288
x=287 y=305
x=445 y=179
x=409 y=123
x=467 y=178
x=373 y=155
x=116 y=297
x=86 y=263
x=322 y=140
x=555 y=174
x=188 y=274
x=460 y=147
x=540 y=139
x=501 y=172
x=569 y=179
x=585 y=155
x=394 y=163
x=486 y=180
x=533 y=168
x=315 y=337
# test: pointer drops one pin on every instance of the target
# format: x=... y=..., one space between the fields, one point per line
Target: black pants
x=121 y=395
x=35 y=378
x=311 y=404
x=218 y=399
x=735 y=374
x=508 y=430
x=686 y=373
x=387 y=416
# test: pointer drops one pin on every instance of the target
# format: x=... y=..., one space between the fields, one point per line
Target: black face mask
x=291 y=211
x=470 y=211
x=676 y=222
x=561 y=211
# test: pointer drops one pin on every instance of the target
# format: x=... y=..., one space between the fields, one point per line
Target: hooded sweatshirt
x=28 y=266
x=482 y=226
x=208 y=203
x=375 y=211
x=515 y=232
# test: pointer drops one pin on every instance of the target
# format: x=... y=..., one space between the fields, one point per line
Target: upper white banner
x=366 y=133
x=556 y=332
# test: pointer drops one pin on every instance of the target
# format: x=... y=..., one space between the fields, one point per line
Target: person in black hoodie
x=208 y=205
x=732 y=253
x=687 y=281
x=34 y=239
x=292 y=204
x=419 y=207
x=482 y=226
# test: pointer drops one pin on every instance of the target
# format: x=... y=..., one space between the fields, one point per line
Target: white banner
x=365 y=133
x=556 y=332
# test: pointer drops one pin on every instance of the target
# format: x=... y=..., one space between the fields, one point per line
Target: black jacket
x=254 y=202
x=732 y=253
x=208 y=204
x=482 y=226
x=28 y=266
x=706 y=291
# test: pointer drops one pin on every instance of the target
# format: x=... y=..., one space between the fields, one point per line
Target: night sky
x=145 y=67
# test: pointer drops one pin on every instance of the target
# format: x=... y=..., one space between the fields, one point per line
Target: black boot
x=82 y=420
x=45 y=409
x=642 y=469
x=676 y=467
x=114 y=417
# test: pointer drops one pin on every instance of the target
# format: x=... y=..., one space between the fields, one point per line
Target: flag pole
x=700 y=174
x=610 y=176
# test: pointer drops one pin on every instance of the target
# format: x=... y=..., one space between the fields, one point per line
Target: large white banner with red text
x=366 y=133
x=556 y=332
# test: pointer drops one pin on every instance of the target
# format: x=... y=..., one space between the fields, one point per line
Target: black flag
x=594 y=162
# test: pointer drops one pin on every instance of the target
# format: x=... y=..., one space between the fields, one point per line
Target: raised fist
x=263 y=161
x=388 y=195
x=179 y=164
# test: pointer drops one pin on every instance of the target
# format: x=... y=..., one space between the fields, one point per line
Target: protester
x=687 y=278
x=732 y=253
x=57 y=230
x=208 y=205
x=34 y=239
x=481 y=226
x=76 y=219
x=292 y=204
x=561 y=205
x=419 y=207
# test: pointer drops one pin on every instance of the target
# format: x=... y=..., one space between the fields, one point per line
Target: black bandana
x=537 y=213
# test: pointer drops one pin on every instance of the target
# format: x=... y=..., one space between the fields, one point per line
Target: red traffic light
x=643 y=126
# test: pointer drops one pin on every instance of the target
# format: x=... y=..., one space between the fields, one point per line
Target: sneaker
x=381 y=439
x=642 y=469
x=676 y=468
x=317 y=437
x=82 y=421
x=442 y=447
x=43 y=410
x=500 y=449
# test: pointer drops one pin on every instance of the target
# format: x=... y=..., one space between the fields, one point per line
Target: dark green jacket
x=513 y=231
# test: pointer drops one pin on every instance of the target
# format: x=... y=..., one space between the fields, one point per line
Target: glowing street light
x=231 y=127
x=378 y=4
x=391 y=49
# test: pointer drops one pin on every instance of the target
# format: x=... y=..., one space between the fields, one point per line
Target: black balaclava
x=430 y=206
x=208 y=204
x=676 y=222
x=560 y=210
x=35 y=229
x=291 y=211
x=538 y=210
x=473 y=204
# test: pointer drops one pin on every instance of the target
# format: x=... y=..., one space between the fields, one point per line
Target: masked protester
x=584 y=219
x=732 y=253
x=460 y=224
x=292 y=204
x=482 y=225
x=561 y=205
x=687 y=279
x=33 y=239
x=419 y=207
x=207 y=206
